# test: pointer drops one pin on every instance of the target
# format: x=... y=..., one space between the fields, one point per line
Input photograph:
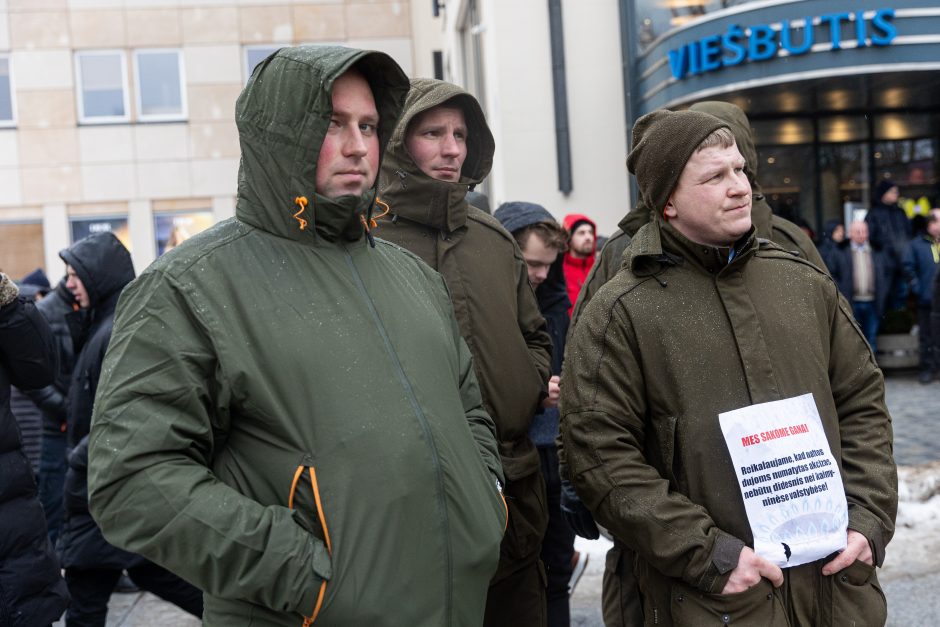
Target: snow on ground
x=915 y=549
x=913 y=552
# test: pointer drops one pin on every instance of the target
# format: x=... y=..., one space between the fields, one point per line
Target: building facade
x=841 y=93
x=548 y=76
x=119 y=114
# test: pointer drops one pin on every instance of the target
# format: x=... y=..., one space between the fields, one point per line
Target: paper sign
x=789 y=480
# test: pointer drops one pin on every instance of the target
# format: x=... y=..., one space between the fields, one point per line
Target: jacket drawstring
x=372 y=221
x=326 y=534
x=301 y=201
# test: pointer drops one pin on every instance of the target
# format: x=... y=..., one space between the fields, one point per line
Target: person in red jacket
x=582 y=242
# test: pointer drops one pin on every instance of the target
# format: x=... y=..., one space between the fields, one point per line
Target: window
x=159 y=85
x=82 y=227
x=6 y=93
x=172 y=229
x=21 y=248
x=256 y=54
x=101 y=81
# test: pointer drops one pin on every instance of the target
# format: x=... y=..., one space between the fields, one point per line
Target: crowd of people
x=887 y=263
x=365 y=400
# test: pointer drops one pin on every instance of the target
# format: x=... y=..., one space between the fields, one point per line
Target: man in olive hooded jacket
x=704 y=318
x=288 y=416
x=442 y=146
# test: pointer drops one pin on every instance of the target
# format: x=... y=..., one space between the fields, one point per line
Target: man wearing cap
x=890 y=231
x=289 y=416
x=620 y=600
x=766 y=223
x=702 y=319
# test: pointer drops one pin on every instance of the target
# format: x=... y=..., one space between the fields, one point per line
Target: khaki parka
x=288 y=416
x=494 y=303
x=677 y=337
x=484 y=269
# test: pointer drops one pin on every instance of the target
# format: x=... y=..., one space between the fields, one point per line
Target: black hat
x=663 y=142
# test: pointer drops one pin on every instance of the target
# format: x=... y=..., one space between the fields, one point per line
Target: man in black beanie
x=704 y=323
x=889 y=230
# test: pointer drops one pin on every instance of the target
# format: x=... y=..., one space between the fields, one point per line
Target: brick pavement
x=915 y=410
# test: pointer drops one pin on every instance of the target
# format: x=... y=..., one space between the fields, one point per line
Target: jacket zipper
x=422 y=420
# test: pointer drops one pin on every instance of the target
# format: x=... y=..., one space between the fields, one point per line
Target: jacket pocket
x=309 y=620
x=857 y=597
x=528 y=517
x=758 y=606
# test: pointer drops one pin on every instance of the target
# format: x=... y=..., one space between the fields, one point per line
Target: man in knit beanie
x=705 y=321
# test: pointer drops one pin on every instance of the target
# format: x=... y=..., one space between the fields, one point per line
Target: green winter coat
x=677 y=337
x=261 y=367
x=495 y=305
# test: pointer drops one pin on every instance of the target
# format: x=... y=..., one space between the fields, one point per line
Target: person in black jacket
x=32 y=592
x=52 y=402
x=98 y=268
x=889 y=231
x=33 y=287
x=542 y=241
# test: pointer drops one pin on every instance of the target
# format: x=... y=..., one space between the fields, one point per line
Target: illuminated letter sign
x=762 y=42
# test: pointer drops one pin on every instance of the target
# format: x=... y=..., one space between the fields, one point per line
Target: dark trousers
x=91 y=588
x=52 y=467
x=928 y=343
x=867 y=319
x=558 y=545
x=516 y=595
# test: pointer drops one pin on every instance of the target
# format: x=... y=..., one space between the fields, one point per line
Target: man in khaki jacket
x=441 y=146
x=702 y=319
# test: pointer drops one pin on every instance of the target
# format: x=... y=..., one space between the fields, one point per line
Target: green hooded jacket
x=768 y=225
x=484 y=269
x=677 y=337
x=287 y=416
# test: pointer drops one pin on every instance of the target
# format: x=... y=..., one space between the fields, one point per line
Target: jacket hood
x=552 y=293
x=515 y=215
x=881 y=189
x=103 y=264
x=829 y=227
x=38 y=278
x=572 y=219
x=411 y=193
x=282 y=117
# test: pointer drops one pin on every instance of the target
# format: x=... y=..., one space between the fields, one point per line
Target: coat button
x=843 y=578
x=726 y=618
x=770 y=596
x=680 y=598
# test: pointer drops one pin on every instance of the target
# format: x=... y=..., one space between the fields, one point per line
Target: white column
x=143 y=240
x=55 y=237
x=223 y=207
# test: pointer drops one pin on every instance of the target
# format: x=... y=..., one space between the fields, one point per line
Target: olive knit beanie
x=663 y=141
